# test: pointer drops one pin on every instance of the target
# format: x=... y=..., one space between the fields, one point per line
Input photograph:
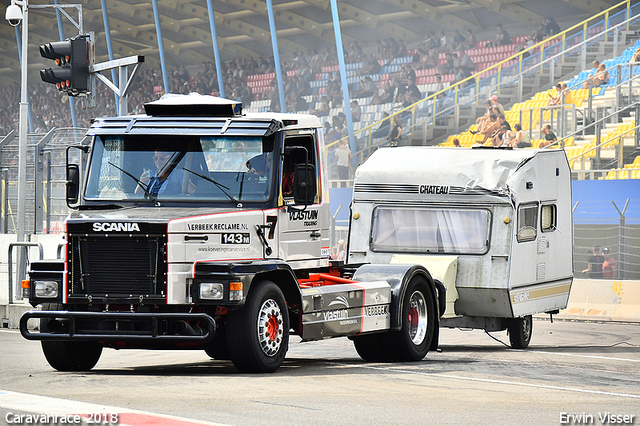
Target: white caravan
x=493 y=225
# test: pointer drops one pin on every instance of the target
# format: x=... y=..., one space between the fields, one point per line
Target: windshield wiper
x=218 y=184
x=142 y=185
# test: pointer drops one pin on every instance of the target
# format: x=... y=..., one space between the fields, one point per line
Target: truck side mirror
x=73 y=183
x=304 y=184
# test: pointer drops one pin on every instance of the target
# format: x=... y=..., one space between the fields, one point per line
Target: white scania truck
x=198 y=227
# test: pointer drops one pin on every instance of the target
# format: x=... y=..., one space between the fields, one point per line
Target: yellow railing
x=496 y=68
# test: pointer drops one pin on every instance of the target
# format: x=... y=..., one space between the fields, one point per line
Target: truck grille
x=117 y=266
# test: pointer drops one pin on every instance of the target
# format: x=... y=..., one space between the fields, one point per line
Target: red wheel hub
x=413 y=317
x=272 y=327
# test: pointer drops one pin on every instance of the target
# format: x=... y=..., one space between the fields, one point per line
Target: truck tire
x=217 y=348
x=419 y=320
x=68 y=355
x=258 y=333
x=373 y=347
x=520 y=331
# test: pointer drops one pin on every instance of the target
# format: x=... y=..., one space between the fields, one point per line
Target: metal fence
x=46 y=179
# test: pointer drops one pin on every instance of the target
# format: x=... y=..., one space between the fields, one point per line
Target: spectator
x=456 y=142
x=550 y=27
x=446 y=67
x=384 y=95
x=496 y=104
x=567 y=95
x=458 y=40
x=413 y=94
x=399 y=90
x=481 y=120
x=444 y=102
x=471 y=42
x=490 y=128
x=555 y=96
x=370 y=66
x=549 y=136
x=602 y=76
x=522 y=139
x=367 y=88
x=636 y=56
x=396 y=131
x=323 y=109
x=343 y=156
x=504 y=137
x=502 y=37
x=596 y=261
x=384 y=129
x=356 y=111
x=465 y=63
x=609 y=266
x=439 y=85
x=426 y=61
x=592 y=73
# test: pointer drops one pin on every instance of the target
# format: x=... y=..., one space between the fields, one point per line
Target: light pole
x=18 y=11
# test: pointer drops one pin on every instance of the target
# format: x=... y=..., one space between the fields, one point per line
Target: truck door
x=304 y=229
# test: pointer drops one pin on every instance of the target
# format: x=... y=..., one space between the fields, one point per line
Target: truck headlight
x=211 y=291
x=45 y=289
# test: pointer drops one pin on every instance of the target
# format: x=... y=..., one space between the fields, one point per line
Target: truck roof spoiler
x=193 y=105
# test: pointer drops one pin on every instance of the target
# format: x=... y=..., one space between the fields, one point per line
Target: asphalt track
x=573 y=373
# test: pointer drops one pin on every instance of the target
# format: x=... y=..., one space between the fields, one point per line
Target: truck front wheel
x=520 y=331
x=258 y=334
x=68 y=355
x=419 y=321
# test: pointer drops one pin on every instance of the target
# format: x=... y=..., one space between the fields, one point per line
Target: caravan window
x=527 y=222
x=548 y=218
x=430 y=230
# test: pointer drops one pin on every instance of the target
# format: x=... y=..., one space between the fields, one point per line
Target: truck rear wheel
x=520 y=331
x=413 y=340
x=68 y=355
x=258 y=334
x=372 y=347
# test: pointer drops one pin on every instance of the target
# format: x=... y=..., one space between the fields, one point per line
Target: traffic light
x=72 y=72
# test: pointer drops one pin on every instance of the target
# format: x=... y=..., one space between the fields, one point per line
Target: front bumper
x=129 y=327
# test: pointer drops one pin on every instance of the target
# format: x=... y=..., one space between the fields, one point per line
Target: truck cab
x=197 y=226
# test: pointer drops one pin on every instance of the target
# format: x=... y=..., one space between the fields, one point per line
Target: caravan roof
x=447 y=172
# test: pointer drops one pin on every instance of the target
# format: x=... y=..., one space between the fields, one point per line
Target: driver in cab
x=166 y=179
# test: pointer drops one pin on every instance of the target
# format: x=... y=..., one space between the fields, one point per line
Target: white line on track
x=586 y=356
x=503 y=382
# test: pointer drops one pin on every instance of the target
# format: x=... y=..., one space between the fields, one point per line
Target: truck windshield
x=185 y=168
x=430 y=230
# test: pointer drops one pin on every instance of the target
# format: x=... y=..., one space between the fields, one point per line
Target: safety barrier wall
x=603 y=300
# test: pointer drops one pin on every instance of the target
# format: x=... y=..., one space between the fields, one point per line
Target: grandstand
x=598 y=128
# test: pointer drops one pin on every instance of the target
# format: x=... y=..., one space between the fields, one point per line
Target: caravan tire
x=258 y=333
x=68 y=355
x=419 y=316
x=520 y=331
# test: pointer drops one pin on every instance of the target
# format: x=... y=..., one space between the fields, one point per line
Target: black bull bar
x=124 y=326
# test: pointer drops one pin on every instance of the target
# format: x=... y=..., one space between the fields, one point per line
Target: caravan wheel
x=520 y=331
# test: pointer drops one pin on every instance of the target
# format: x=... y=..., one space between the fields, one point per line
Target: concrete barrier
x=603 y=300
